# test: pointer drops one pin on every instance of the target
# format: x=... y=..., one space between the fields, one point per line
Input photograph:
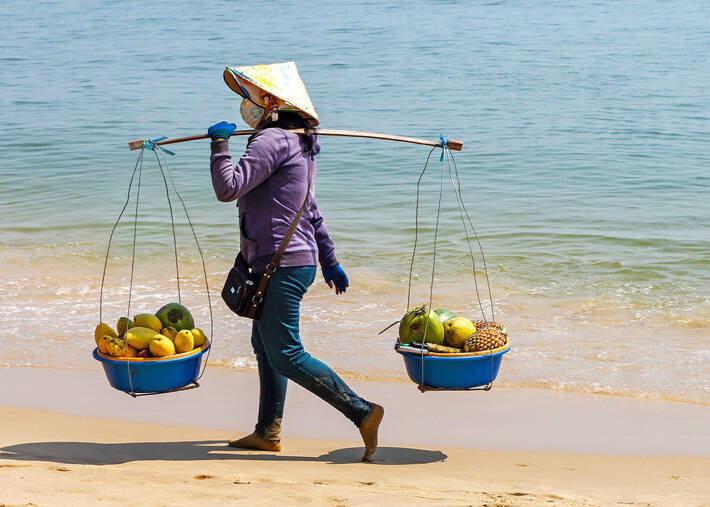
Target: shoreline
x=401 y=378
x=583 y=344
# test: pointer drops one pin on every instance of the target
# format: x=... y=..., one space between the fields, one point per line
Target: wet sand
x=66 y=437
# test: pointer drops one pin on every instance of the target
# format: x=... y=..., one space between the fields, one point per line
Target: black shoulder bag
x=244 y=290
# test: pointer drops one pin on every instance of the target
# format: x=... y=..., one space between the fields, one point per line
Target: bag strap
x=273 y=264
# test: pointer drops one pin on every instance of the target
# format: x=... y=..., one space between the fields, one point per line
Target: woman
x=270 y=182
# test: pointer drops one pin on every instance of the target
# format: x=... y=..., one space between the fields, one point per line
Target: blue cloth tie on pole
x=444 y=142
x=150 y=144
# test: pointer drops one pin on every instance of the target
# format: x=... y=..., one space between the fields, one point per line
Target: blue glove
x=337 y=276
x=221 y=130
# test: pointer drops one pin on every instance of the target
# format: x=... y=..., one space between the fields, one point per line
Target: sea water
x=586 y=130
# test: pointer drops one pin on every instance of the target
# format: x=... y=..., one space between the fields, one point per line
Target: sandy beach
x=505 y=447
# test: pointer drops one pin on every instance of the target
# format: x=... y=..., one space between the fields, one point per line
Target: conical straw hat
x=280 y=80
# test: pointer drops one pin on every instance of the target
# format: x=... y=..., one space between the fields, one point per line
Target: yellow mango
x=148 y=320
x=101 y=330
x=199 y=337
x=140 y=337
x=184 y=341
x=161 y=346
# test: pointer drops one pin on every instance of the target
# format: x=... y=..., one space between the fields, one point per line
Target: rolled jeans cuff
x=362 y=415
x=270 y=432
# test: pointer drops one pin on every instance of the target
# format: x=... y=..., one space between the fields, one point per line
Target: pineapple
x=487 y=338
x=482 y=324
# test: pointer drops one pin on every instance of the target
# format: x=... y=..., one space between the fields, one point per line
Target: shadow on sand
x=90 y=453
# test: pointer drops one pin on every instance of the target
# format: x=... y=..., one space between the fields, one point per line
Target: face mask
x=251 y=113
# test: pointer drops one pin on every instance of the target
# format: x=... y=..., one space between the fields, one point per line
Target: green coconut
x=444 y=314
x=175 y=315
x=418 y=321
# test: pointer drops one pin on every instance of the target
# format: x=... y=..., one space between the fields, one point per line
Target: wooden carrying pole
x=452 y=144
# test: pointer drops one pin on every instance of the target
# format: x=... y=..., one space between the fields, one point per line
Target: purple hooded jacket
x=270 y=182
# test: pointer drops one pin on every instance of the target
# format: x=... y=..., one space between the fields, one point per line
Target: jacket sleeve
x=326 y=248
x=263 y=156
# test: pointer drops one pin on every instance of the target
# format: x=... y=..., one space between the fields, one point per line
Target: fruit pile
x=447 y=333
x=170 y=331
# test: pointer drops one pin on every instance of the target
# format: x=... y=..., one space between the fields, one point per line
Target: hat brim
x=240 y=84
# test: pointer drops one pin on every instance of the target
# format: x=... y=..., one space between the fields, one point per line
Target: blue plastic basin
x=152 y=375
x=453 y=371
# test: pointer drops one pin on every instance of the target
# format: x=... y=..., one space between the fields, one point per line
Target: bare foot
x=368 y=431
x=254 y=441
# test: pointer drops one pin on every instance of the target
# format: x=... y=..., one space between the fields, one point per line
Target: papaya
x=140 y=337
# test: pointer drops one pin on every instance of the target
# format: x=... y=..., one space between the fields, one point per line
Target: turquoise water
x=586 y=132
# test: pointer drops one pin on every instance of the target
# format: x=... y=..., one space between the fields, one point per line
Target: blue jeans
x=280 y=356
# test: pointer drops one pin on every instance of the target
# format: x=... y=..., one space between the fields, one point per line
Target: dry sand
x=53 y=458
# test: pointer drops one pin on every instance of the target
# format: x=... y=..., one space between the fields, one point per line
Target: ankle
x=254 y=441
x=369 y=429
x=270 y=432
